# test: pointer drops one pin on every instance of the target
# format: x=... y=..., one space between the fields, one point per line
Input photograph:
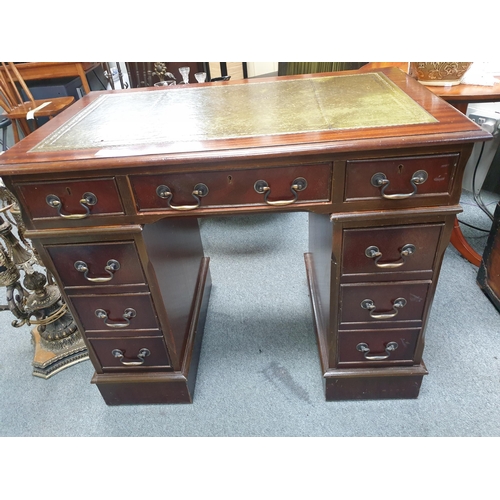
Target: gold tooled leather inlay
x=125 y=119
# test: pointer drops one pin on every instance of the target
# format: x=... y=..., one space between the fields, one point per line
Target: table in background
x=460 y=96
x=47 y=70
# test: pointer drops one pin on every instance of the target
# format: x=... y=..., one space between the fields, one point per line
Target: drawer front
x=100 y=264
x=232 y=188
x=395 y=179
x=383 y=250
x=383 y=304
x=115 y=313
x=71 y=199
x=131 y=354
x=375 y=347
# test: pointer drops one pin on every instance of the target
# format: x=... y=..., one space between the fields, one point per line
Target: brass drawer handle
x=127 y=315
x=87 y=200
x=143 y=353
x=370 y=306
x=199 y=191
x=389 y=348
x=381 y=180
x=373 y=252
x=261 y=187
x=111 y=267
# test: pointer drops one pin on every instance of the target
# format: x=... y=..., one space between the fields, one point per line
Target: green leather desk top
x=199 y=113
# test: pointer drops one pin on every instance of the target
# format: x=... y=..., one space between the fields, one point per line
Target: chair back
x=10 y=97
x=18 y=109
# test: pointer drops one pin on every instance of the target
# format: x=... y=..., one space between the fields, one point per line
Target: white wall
x=262 y=68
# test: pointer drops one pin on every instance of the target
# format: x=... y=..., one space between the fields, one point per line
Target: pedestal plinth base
x=51 y=359
x=374 y=383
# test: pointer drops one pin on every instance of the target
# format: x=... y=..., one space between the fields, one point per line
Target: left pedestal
x=139 y=295
x=167 y=387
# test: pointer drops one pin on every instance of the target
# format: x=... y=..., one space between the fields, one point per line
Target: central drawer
x=272 y=186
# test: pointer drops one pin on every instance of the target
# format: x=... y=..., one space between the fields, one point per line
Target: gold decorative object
x=37 y=301
x=439 y=73
x=162 y=73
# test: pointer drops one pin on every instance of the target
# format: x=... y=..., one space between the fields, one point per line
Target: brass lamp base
x=51 y=359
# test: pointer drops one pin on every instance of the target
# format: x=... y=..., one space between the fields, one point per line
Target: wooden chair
x=23 y=112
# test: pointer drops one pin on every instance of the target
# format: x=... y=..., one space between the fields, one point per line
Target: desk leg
x=460 y=243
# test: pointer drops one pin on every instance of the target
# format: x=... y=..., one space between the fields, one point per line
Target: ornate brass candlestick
x=37 y=301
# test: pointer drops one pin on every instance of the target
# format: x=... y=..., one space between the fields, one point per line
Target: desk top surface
x=327 y=112
x=183 y=115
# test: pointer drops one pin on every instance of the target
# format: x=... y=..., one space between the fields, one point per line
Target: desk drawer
x=381 y=304
x=397 y=179
x=114 y=313
x=97 y=265
x=71 y=199
x=131 y=354
x=377 y=348
x=382 y=251
x=182 y=191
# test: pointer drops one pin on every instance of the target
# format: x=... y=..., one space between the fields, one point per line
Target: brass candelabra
x=36 y=300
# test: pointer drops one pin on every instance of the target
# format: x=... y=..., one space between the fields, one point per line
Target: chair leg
x=4 y=138
x=21 y=125
x=15 y=131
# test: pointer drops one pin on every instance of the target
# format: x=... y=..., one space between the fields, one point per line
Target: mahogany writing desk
x=112 y=188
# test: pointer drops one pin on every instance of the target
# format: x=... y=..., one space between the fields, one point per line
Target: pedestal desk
x=111 y=191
